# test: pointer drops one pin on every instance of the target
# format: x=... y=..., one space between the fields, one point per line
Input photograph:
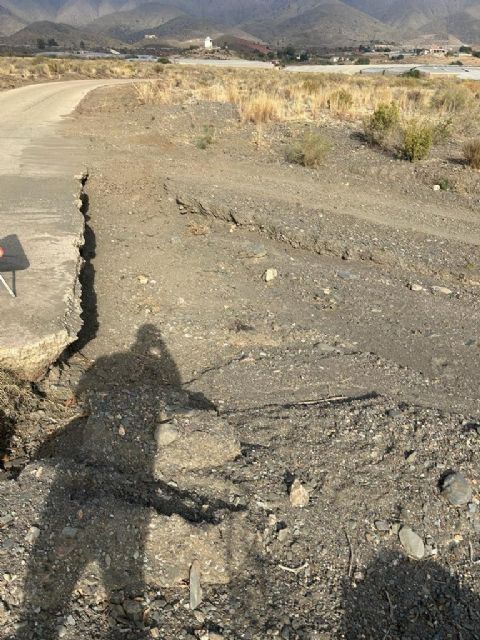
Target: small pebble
x=299 y=495
x=270 y=274
x=196 y=594
x=444 y=290
x=382 y=525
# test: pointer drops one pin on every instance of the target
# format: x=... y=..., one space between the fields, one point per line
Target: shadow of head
x=147 y=362
x=14 y=258
x=410 y=600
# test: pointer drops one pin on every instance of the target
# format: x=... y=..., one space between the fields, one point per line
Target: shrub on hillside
x=417 y=140
x=207 y=138
x=382 y=123
x=471 y=151
x=309 y=151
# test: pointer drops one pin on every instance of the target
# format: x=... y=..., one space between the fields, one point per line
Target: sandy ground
x=281 y=436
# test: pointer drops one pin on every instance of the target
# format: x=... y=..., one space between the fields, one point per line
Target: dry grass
x=266 y=96
x=260 y=108
x=471 y=151
x=43 y=68
x=448 y=105
x=269 y=96
x=13 y=395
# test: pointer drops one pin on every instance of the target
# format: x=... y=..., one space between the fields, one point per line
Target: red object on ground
x=2 y=252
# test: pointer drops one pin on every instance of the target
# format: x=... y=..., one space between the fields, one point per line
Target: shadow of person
x=13 y=259
x=402 y=599
x=104 y=488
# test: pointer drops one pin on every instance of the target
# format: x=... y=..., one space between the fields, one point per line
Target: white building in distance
x=208 y=43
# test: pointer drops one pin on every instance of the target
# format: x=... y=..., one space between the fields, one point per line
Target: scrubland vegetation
x=43 y=68
x=403 y=115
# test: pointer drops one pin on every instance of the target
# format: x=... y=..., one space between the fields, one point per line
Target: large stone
x=457 y=489
x=412 y=543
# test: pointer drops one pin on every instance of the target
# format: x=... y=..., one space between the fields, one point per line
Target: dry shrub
x=340 y=101
x=154 y=92
x=309 y=151
x=207 y=138
x=471 y=152
x=452 y=98
x=15 y=396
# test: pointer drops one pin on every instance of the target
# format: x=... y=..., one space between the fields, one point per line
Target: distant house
x=208 y=43
x=437 y=50
x=150 y=36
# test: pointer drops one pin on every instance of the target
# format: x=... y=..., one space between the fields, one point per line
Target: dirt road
x=284 y=434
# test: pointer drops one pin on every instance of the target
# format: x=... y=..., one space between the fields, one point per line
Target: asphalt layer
x=41 y=227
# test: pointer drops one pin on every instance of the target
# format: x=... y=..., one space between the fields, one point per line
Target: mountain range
x=300 y=22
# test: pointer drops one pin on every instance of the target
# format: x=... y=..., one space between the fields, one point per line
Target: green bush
x=417 y=140
x=471 y=151
x=164 y=60
x=382 y=123
x=309 y=151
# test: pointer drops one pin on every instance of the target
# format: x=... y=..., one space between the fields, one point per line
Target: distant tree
x=288 y=52
x=52 y=42
x=304 y=56
x=464 y=49
x=476 y=54
x=82 y=45
x=412 y=73
x=41 y=44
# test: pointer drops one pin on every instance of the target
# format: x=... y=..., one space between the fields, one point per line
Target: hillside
x=126 y=25
x=328 y=22
x=9 y=23
x=65 y=35
x=302 y=22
